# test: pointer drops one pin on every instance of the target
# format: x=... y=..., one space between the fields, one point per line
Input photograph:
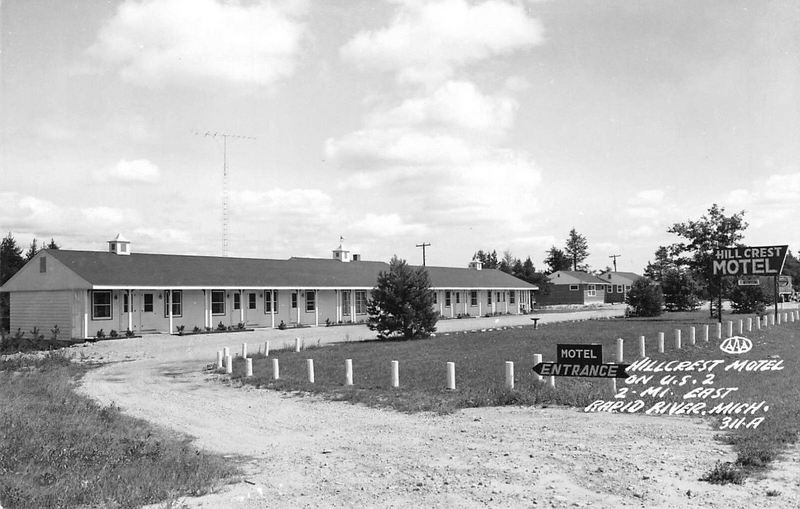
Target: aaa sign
x=749 y=261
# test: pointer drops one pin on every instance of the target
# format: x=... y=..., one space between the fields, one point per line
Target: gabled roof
x=138 y=270
x=574 y=277
x=622 y=278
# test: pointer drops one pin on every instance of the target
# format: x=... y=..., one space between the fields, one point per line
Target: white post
x=692 y=336
x=244 y=350
x=479 y=305
x=219 y=359
x=537 y=359
x=614 y=385
x=316 y=308
x=310 y=367
x=395 y=374
x=297 y=292
x=228 y=364
x=276 y=370
x=641 y=347
x=296 y=344
x=266 y=349
x=552 y=382
x=772 y=319
x=741 y=326
x=451 y=376
x=169 y=300
x=749 y=324
x=130 y=311
x=273 y=297
x=729 y=328
x=348 y=371
x=758 y=322
x=509 y=375
x=705 y=333
x=620 y=343
x=86 y=314
x=677 y=339
x=241 y=306
x=249 y=367
x=226 y=352
x=719 y=330
x=660 y=342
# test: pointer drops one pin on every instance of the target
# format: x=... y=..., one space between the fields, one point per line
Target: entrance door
x=148 y=319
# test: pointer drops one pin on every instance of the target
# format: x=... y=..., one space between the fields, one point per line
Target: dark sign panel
x=590 y=370
x=749 y=261
x=579 y=354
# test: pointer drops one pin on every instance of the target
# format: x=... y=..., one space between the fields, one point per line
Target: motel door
x=126 y=308
x=147 y=307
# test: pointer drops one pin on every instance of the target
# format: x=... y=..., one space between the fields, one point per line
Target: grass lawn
x=479 y=360
x=61 y=449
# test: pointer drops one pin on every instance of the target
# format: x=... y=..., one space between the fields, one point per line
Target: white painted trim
x=244 y=288
x=86 y=314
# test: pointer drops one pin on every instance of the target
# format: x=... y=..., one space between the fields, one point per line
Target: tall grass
x=61 y=449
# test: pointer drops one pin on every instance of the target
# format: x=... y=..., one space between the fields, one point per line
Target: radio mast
x=225 y=191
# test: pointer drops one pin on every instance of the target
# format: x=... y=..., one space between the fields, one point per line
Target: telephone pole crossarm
x=423 y=246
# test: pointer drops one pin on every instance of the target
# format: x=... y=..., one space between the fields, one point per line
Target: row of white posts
x=224 y=357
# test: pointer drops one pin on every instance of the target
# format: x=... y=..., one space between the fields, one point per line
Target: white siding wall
x=43 y=310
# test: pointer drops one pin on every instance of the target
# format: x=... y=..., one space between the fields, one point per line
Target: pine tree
x=557 y=260
x=11 y=261
x=402 y=302
x=32 y=250
x=577 y=249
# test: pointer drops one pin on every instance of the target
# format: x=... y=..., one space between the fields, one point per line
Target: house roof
x=573 y=277
x=138 y=270
x=622 y=278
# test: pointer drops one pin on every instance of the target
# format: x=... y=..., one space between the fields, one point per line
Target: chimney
x=120 y=245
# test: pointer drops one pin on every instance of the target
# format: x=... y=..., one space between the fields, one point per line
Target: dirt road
x=305 y=452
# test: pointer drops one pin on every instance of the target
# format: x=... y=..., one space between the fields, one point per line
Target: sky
x=495 y=125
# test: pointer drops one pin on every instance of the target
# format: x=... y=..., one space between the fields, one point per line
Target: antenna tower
x=225 y=191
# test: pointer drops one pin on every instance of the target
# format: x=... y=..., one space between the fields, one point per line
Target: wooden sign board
x=749 y=261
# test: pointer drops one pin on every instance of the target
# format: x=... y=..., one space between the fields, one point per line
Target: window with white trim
x=147 y=303
x=237 y=300
x=294 y=300
x=447 y=299
x=620 y=288
x=177 y=308
x=489 y=297
x=574 y=288
x=458 y=297
x=268 y=300
x=125 y=302
x=361 y=302
x=473 y=298
x=101 y=305
x=311 y=301
x=512 y=297
x=591 y=290
x=218 y=302
x=346 y=302
x=251 y=301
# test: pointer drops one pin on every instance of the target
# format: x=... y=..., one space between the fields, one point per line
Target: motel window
x=218 y=302
x=504 y=296
x=268 y=300
x=435 y=297
x=627 y=288
x=473 y=298
x=573 y=288
x=498 y=297
x=124 y=302
x=447 y=299
x=148 y=303
x=43 y=264
x=101 y=305
x=619 y=288
x=458 y=297
x=591 y=291
x=294 y=300
x=489 y=298
x=311 y=301
x=609 y=288
x=176 y=303
x=237 y=301
x=346 y=302
x=361 y=302
x=512 y=297
x=251 y=301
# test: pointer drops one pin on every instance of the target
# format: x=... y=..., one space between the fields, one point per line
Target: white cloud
x=427 y=41
x=284 y=204
x=453 y=105
x=103 y=215
x=153 y=43
x=386 y=225
x=769 y=203
x=138 y=170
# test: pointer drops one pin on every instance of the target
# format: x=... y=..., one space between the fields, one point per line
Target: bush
x=282 y=326
x=221 y=327
x=680 y=291
x=128 y=333
x=749 y=299
x=113 y=334
x=180 y=329
x=197 y=329
x=100 y=334
x=646 y=298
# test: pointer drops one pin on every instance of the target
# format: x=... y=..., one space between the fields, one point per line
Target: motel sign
x=749 y=261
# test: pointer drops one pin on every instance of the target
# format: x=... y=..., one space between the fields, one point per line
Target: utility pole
x=225 y=192
x=615 y=260
x=423 y=245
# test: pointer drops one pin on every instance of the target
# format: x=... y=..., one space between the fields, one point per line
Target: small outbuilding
x=573 y=287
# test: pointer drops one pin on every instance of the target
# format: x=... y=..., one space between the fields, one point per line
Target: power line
x=615 y=260
x=225 y=191
x=423 y=246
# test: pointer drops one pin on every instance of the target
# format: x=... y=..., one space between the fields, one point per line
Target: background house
x=619 y=284
x=573 y=287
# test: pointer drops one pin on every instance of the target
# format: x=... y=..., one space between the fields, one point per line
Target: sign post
x=749 y=261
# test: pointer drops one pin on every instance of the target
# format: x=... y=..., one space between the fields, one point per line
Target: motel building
x=83 y=292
